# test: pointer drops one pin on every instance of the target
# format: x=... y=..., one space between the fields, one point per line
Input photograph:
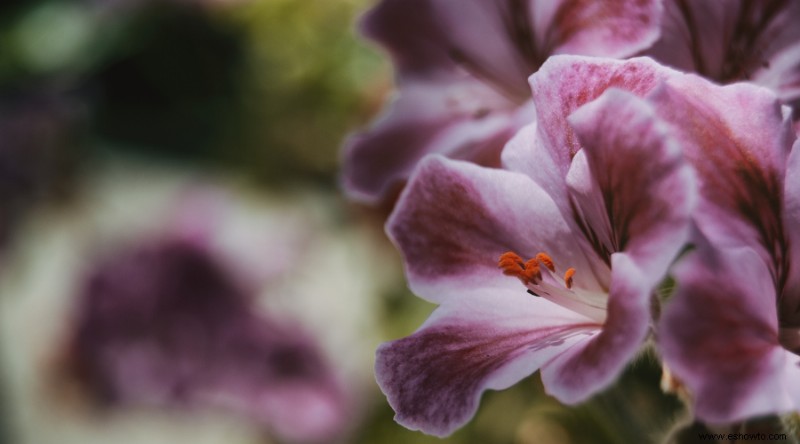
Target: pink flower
x=461 y=70
x=731 y=331
x=585 y=219
x=734 y=40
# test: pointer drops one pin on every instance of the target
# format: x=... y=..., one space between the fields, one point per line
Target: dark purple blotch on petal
x=734 y=40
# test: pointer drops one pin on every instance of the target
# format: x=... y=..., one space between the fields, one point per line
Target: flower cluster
x=562 y=224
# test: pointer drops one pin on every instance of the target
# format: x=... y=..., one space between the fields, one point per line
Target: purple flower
x=734 y=40
x=166 y=322
x=730 y=333
x=585 y=220
x=462 y=70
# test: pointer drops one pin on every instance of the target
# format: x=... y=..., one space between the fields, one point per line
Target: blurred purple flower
x=731 y=333
x=601 y=209
x=462 y=70
x=734 y=40
x=165 y=323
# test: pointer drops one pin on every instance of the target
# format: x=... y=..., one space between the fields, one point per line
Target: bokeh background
x=110 y=109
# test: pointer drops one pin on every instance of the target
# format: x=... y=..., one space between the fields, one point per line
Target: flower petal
x=790 y=299
x=502 y=42
x=429 y=38
x=490 y=340
x=631 y=189
x=693 y=36
x=455 y=219
x=738 y=139
x=562 y=85
x=719 y=335
x=734 y=40
x=462 y=119
x=616 y=28
x=462 y=69
x=594 y=364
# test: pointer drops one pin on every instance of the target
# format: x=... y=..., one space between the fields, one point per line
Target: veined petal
x=693 y=35
x=719 y=335
x=738 y=139
x=502 y=42
x=616 y=28
x=455 y=219
x=734 y=40
x=472 y=58
x=433 y=38
x=459 y=119
x=593 y=365
x=489 y=340
x=631 y=190
x=562 y=85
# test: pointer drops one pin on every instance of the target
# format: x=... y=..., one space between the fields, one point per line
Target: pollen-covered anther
x=545 y=260
x=512 y=265
x=533 y=273
x=568 y=277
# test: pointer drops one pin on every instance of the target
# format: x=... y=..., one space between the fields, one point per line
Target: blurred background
x=154 y=148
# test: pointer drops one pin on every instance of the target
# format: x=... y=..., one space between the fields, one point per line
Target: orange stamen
x=511 y=264
x=568 y=277
x=532 y=272
x=546 y=261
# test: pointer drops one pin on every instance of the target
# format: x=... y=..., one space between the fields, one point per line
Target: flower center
x=529 y=272
x=539 y=275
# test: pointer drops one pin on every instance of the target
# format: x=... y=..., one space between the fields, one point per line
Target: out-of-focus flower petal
x=503 y=42
x=473 y=58
x=461 y=119
x=487 y=340
x=614 y=28
x=734 y=40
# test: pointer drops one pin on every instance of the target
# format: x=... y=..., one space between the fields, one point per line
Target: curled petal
x=565 y=83
x=594 y=364
x=434 y=378
x=616 y=28
x=630 y=187
x=562 y=85
x=455 y=220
